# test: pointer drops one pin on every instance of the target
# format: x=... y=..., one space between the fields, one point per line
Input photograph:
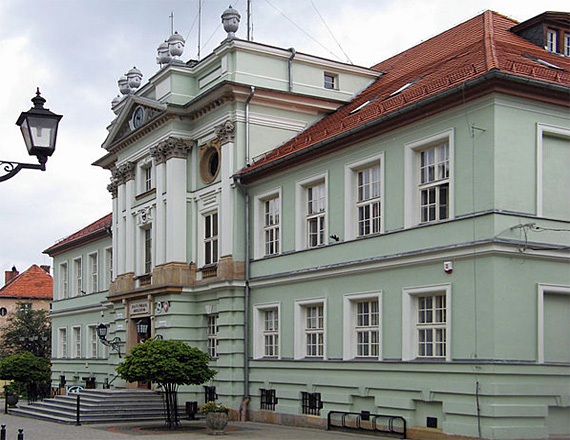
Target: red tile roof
x=447 y=61
x=91 y=232
x=33 y=283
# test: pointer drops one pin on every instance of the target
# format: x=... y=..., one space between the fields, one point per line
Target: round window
x=210 y=164
x=3 y=311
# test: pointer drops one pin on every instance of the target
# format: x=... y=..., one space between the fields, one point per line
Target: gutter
x=290 y=68
x=247 y=101
x=493 y=74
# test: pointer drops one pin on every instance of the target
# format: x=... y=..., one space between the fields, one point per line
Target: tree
x=169 y=364
x=27 y=331
x=28 y=372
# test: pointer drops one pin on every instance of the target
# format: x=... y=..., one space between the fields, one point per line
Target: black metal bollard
x=78 y=411
x=3 y=432
x=20 y=434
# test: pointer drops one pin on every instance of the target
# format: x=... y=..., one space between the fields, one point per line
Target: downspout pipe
x=290 y=68
x=247 y=292
x=247 y=101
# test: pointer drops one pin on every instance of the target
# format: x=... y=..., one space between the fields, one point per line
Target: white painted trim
x=90 y=273
x=258 y=221
x=60 y=353
x=301 y=208
x=349 y=322
x=299 y=326
x=350 y=193
x=411 y=167
x=542 y=290
x=541 y=130
x=409 y=294
x=258 y=321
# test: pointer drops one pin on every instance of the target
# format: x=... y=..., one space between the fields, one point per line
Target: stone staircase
x=97 y=406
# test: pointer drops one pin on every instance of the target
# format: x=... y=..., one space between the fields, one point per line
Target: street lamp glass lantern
x=39 y=129
x=102 y=331
x=142 y=328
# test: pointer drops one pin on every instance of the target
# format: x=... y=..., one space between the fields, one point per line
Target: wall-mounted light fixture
x=113 y=343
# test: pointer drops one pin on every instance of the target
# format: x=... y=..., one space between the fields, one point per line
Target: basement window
x=268 y=399
x=311 y=403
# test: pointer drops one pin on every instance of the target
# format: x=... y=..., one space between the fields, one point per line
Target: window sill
x=145 y=194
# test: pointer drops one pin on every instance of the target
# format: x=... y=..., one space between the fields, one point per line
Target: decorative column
x=226 y=134
x=113 y=188
x=128 y=171
x=160 y=214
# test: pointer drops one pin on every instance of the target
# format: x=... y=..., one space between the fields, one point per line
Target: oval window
x=210 y=165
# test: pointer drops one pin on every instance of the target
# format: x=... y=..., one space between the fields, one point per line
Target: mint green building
x=338 y=238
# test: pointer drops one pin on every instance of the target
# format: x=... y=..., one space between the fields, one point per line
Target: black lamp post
x=39 y=129
x=113 y=343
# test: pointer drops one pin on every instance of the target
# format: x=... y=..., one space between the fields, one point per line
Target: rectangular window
x=62 y=352
x=213 y=336
x=78 y=277
x=367 y=333
x=93 y=340
x=431 y=326
x=210 y=394
x=314 y=331
x=271 y=333
x=25 y=307
x=76 y=342
x=368 y=200
x=147 y=174
x=434 y=183
x=271 y=225
x=108 y=266
x=148 y=250
x=551 y=37
x=567 y=45
x=311 y=403
x=63 y=286
x=268 y=399
x=316 y=212
x=93 y=273
x=330 y=81
x=211 y=238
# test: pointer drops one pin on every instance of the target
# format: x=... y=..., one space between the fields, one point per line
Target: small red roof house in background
x=33 y=288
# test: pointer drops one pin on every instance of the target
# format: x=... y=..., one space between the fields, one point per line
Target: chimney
x=9 y=275
x=45 y=268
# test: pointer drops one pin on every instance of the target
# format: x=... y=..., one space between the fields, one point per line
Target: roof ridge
x=489 y=41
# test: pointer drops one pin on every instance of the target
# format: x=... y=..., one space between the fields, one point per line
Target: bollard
x=77 y=420
x=20 y=434
x=3 y=432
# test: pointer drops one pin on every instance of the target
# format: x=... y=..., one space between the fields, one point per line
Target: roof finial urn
x=176 y=45
x=134 y=78
x=124 y=85
x=230 y=20
x=163 y=54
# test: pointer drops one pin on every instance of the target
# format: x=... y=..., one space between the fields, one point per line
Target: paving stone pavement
x=190 y=430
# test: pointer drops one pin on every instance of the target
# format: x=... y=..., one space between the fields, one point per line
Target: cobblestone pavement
x=190 y=430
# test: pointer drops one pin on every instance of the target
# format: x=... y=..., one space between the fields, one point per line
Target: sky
x=75 y=51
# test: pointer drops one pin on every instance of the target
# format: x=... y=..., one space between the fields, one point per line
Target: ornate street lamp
x=39 y=129
x=142 y=329
x=113 y=343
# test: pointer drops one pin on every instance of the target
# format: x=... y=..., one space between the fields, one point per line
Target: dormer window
x=567 y=45
x=551 y=37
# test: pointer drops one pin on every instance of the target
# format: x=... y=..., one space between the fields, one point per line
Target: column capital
x=225 y=132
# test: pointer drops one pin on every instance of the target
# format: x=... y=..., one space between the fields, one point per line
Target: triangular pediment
x=136 y=113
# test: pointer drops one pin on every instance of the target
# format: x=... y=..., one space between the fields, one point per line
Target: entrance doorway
x=143 y=333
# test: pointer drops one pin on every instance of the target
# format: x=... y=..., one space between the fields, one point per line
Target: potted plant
x=11 y=395
x=216 y=417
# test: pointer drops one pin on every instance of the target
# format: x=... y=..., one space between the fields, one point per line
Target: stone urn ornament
x=230 y=20
x=216 y=417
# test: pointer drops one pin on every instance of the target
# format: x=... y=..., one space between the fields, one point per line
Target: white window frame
x=93 y=272
x=301 y=210
x=412 y=213
x=144 y=184
x=92 y=342
x=567 y=45
x=212 y=331
x=410 y=297
x=147 y=254
x=300 y=316
x=350 y=302
x=76 y=343
x=108 y=266
x=259 y=249
x=259 y=329
x=212 y=240
x=62 y=350
x=551 y=40
x=77 y=277
x=541 y=131
x=63 y=280
x=544 y=289
x=351 y=194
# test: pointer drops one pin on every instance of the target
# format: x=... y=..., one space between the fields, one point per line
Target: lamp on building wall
x=113 y=343
x=39 y=129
